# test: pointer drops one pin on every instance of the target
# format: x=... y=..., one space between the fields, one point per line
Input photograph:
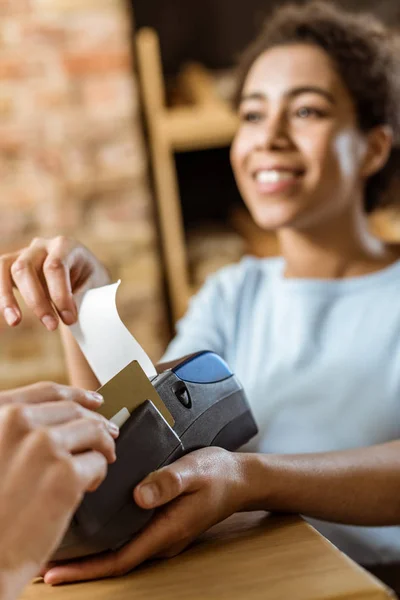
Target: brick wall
x=72 y=162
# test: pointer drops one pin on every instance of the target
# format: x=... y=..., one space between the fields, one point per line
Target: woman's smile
x=276 y=180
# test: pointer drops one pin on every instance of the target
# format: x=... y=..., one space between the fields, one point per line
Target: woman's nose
x=275 y=134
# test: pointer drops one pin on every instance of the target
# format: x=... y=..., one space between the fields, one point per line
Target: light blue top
x=319 y=361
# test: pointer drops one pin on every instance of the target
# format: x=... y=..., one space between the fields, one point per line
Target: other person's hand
x=52 y=450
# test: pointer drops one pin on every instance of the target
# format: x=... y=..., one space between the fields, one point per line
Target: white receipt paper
x=103 y=338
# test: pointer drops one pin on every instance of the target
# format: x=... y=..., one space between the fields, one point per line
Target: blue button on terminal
x=204 y=367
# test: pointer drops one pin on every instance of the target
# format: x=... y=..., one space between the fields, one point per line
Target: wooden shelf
x=206 y=122
x=206 y=127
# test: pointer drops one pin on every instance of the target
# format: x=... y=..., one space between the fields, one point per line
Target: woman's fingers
x=47 y=273
x=41 y=272
x=25 y=272
x=8 y=303
x=169 y=528
x=56 y=271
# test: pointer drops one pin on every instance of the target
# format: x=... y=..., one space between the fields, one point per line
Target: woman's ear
x=379 y=145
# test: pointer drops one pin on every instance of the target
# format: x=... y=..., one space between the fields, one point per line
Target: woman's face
x=298 y=154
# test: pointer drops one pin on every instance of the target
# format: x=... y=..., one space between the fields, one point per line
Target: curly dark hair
x=367 y=57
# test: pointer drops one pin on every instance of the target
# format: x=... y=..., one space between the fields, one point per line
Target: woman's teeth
x=274 y=176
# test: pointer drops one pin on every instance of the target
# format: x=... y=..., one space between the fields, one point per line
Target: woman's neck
x=341 y=248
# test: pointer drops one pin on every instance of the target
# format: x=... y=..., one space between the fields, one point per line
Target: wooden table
x=249 y=556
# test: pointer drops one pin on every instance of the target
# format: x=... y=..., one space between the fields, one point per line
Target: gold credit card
x=129 y=389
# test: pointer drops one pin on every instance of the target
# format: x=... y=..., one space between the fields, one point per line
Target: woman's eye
x=251 y=116
x=305 y=111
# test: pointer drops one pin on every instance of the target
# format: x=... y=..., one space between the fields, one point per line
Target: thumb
x=160 y=487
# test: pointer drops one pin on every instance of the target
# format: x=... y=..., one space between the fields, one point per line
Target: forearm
x=359 y=487
x=79 y=370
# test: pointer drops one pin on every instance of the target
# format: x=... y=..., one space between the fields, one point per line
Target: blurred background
x=115 y=125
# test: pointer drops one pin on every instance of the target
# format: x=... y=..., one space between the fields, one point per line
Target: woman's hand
x=194 y=493
x=48 y=273
x=51 y=453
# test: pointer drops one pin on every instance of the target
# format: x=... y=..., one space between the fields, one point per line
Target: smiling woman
x=300 y=157
x=363 y=72
x=314 y=336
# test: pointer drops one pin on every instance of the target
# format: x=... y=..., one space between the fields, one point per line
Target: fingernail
x=150 y=494
x=68 y=317
x=113 y=428
x=11 y=316
x=98 y=398
x=49 y=322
